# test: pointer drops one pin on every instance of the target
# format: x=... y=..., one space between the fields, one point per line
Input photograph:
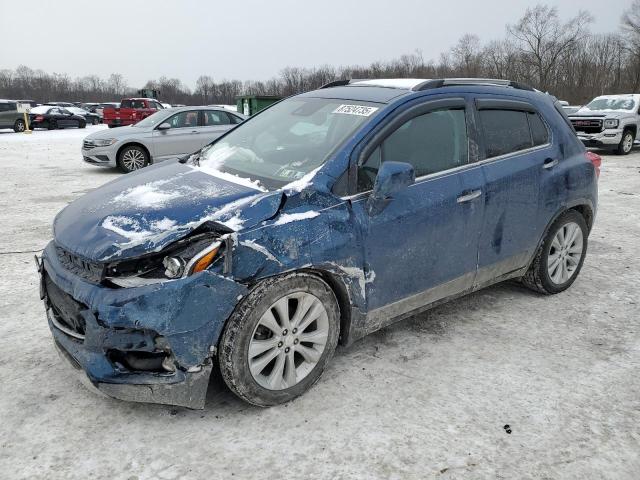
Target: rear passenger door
x=517 y=152
x=214 y=123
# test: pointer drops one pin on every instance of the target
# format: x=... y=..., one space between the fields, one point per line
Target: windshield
x=611 y=104
x=152 y=120
x=287 y=141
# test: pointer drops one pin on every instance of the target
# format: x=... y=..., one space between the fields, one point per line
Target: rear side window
x=539 y=132
x=505 y=131
x=215 y=117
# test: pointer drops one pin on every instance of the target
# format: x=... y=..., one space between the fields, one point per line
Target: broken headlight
x=181 y=259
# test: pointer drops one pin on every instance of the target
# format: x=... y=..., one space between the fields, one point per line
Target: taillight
x=39 y=118
x=596 y=160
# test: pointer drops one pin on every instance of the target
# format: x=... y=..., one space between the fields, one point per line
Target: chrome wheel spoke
x=567 y=247
x=257 y=366
x=281 y=351
x=258 y=347
x=311 y=355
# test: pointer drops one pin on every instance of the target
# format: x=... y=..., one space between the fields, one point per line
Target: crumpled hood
x=144 y=211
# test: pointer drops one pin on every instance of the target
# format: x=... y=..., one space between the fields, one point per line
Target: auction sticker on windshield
x=360 y=110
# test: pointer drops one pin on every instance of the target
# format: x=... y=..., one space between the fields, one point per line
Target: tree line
x=561 y=57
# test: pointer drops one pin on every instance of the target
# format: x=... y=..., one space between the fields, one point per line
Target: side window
x=214 y=117
x=3 y=107
x=539 y=132
x=234 y=118
x=432 y=142
x=505 y=131
x=187 y=119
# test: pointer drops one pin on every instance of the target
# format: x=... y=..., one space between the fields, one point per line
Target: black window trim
x=168 y=119
x=361 y=152
x=484 y=103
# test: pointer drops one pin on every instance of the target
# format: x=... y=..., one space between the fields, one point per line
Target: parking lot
x=428 y=397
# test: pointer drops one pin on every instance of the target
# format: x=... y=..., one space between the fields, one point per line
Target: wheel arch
x=633 y=128
x=342 y=296
x=131 y=144
x=583 y=207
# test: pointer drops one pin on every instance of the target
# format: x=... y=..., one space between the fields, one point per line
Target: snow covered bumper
x=607 y=138
x=146 y=344
x=102 y=156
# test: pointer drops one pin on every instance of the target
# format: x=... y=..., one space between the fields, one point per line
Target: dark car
x=52 y=118
x=319 y=220
x=91 y=118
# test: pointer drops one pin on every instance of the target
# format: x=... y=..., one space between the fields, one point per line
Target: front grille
x=587 y=125
x=93 y=272
x=88 y=145
x=67 y=312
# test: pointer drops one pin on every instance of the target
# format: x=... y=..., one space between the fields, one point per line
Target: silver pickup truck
x=609 y=121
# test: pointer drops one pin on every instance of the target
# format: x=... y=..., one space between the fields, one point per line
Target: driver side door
x=181 y=139
x=423 y=244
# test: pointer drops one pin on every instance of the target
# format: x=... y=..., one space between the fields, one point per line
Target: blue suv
x=323 y=218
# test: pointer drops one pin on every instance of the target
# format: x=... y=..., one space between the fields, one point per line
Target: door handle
x=195 y=131
x=550 y=163
x=467 y=197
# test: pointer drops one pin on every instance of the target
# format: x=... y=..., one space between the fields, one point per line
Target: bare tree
x=542 y=39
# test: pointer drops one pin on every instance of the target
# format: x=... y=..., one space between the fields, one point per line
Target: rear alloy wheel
x=19 y=126
x=561 y=255
x=626 y=144
x=132 y=158
x=279 y=340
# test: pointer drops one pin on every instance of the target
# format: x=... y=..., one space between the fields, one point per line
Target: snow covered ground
x=425 y=398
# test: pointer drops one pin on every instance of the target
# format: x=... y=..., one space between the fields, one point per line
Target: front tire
x=626 y=144
x=132 y=158
x=82 y=125
x=560 y=257
x=279 y=339
x=95 y=121
x=19 y=126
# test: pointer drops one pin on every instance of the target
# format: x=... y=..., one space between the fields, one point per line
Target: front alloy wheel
x=626 y=144
x=279 y=339
x=132 y=158
x=288 y=341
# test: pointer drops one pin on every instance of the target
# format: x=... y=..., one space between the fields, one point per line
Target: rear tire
x=279 y=339
x=132 y=158
x=19 y=126
x=559 y=259
x=52 y=125
x=626 y=144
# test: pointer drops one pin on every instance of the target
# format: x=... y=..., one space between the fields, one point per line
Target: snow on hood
x=144 y=211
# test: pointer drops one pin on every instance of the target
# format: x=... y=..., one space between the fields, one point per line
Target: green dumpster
x=252 y=104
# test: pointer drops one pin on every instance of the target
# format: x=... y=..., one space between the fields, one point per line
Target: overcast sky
x=250 y=39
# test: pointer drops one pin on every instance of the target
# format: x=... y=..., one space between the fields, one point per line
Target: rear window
x=505 y=131
x=133 y=104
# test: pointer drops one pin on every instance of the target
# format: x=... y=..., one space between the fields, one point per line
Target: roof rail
x=336 y=83
x=450 y=82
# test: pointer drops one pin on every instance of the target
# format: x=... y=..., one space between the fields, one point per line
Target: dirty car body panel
x=455 y=229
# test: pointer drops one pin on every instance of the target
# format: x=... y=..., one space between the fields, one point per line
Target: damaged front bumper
x=146 y=344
